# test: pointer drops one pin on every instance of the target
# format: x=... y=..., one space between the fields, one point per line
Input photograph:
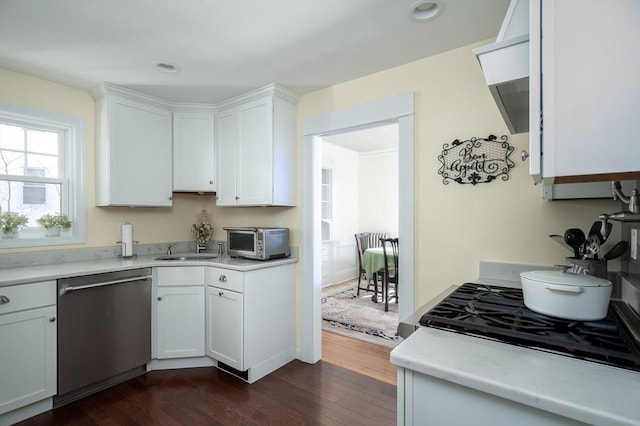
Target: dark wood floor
x=296 y=394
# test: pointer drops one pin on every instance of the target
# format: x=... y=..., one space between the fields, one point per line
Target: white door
x=255 y=152
x=226 y=156
x=28 y=359
x=180 y=322
x=225 y=326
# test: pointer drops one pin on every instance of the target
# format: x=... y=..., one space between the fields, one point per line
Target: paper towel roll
x=127 y=240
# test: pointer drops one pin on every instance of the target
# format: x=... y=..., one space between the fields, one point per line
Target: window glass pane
x=31 y=199
x=42 y=142
x=46 y=163
x=11 y=137
x=11 y=162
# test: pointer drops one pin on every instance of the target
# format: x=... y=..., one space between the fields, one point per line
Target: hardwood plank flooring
x=356 y=355
x=296 y=394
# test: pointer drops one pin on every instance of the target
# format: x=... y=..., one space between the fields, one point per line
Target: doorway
x=400 y=110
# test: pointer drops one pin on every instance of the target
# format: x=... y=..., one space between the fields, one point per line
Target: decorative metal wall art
x=476 y=160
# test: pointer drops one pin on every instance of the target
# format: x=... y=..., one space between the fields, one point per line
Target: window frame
x=73 y=130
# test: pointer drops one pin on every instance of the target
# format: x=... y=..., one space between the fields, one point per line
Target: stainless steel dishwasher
x=104 y=331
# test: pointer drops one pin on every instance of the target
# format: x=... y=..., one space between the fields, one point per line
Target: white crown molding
x=270 y=89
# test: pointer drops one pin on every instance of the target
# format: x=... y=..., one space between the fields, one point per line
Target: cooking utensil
x=592 y=247
x=560 y=240
x=617 y=250
x=574 y=237
x=605 y=229
x=595 y=230
x=566 y=295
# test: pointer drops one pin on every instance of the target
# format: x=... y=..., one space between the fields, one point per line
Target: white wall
x=379 y=192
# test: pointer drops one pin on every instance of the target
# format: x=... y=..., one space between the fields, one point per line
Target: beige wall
x=456 y=225
x=459 y=225
x=151 y=225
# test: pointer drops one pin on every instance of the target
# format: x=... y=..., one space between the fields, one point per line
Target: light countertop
x=582 y=390
x=585 y=391
x=29 y=273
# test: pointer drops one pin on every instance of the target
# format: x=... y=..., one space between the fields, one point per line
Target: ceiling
x=378 y=138
x=227 y=47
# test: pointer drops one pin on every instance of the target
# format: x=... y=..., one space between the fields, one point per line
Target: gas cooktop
x=499 y=313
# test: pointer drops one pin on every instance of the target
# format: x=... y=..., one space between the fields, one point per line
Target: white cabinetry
x=251 y=319
x=133 y=149
x=27 y=345
x=256 y=142
x=224 y=308
x=585 y=91
x=427 y=400
x=179 y=312
x=194 y=151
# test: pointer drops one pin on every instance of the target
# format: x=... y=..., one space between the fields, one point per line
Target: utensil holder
x=596 y=268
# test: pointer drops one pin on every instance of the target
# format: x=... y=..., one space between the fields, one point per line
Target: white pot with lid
x=566 y=295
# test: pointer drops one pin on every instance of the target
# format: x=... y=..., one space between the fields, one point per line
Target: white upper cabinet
x=585 y=90
x=256 y=143
x=194 y=165
x=133 y=149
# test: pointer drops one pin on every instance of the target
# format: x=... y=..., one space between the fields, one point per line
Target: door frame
x=398 y=109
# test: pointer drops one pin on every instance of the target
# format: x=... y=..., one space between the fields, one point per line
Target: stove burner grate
x=500 y=313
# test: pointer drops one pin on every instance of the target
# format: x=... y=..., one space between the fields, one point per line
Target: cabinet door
x=226 y=153
x=27 y=357
x=139 y=146
x=180 y=322
x=225 y=337
x=193 y=152
x=590 y=87
x=255 y=152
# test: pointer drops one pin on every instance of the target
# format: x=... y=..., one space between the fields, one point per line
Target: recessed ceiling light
x=166 y=68
x=424 y=10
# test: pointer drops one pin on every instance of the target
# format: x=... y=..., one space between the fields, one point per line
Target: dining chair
x=390 y=275
x=362 y=243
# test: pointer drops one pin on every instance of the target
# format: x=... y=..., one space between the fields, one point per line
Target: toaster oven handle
x=239 y=229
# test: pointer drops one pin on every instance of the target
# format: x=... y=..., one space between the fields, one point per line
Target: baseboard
x=26 y=412
x=272 y=364
x=171 y=364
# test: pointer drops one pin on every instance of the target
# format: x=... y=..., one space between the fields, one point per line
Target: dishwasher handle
x=65 y=290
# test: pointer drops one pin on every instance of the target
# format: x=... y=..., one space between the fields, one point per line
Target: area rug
x=345 y=313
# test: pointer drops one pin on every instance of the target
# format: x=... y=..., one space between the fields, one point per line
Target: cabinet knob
x=4 y=300
x=171 y=198
x=237 y=198
x=159 y=297
x=524 y=155
x=52 y=319
x=220 y=293
x=222 y=278
x=210 y=182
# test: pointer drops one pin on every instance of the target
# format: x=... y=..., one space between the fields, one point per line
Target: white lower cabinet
x=179 y=312
x=28 y=346
x=224 y=328
x=251 y=319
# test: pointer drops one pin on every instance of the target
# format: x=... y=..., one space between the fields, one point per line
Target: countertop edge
x=471 y=362
x=29 y=274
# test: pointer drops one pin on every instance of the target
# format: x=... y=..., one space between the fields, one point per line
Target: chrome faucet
x=633 y=201
x=169 y=247
x=200 y=248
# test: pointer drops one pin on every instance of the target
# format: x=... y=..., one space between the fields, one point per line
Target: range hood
x=505 y=65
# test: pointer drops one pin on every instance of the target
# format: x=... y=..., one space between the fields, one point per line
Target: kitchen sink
x=190 y=256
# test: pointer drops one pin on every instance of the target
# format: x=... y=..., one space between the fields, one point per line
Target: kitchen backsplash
x=15 y=260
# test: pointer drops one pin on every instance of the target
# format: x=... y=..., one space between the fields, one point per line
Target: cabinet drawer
x=27 y=296
x=179 y=275
x=225 y=278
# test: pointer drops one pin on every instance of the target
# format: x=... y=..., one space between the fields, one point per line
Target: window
x=42 y=166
